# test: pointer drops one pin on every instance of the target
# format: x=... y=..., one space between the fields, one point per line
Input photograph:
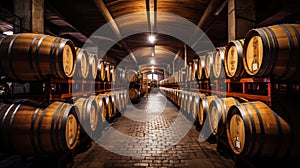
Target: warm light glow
x=152 y=54
x=152 y=70
x=152 y=62
x=151 y=38
x=8 y=33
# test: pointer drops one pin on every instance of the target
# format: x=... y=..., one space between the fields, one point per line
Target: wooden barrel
x=87 y=114
x=113 y=73
x=218 y=62
x=120 y=75
x=133 y=95
x=218 y=110
x=109 y=108
x=201 y=67
x=123 y=102
x=184 y=97
x=101 y=101
x=108 y=71
x=113 y=98
x=255 y=130
x=30 y=57
x=92 y=66
x=131 y=75
x=188 y=72
x=29 y=130
x=195 y=104
x=194 y=69
x=233 y=59
x=189 y=103
x=208 y=65
x=81 y=66
x=273 y=50
x=101 y=75
x=204 y=108
x=118 y=100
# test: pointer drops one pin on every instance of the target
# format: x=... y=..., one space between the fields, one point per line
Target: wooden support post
x=32 y=14
x=241 y=18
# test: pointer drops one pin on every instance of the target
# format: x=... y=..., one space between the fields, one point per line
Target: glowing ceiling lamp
x=151 y=38
x=152 y=61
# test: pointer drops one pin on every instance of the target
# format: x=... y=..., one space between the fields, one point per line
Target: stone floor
x=152 y=134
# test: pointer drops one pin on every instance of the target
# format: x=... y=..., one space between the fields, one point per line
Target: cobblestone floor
x=152 y=134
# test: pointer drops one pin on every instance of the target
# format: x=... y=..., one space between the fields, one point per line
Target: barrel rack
x=55 y=89
x=263 y=89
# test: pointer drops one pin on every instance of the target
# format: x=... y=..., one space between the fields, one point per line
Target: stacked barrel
x=31 y=127
x=252 y=128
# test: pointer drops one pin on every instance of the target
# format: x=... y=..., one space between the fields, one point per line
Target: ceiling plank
x=108 y=17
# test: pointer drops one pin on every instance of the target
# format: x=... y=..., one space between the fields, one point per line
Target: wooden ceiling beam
x=208 y=12
x=108 y=17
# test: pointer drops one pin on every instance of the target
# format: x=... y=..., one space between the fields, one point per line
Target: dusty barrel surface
x=273 y=50
x=31 y=130
x=30 y=57
x=254 y=129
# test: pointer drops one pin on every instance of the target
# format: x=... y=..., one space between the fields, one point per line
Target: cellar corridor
x=151 y=125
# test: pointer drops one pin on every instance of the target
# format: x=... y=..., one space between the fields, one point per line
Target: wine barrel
x=218 y=62
x=233 y=59
x=87 y=114
x=273 y=50
x=194 y=69
x=184 y=97
x=29 y=130
x=131 y=75
x=134 y=95
x=208 y=65
x=101 y=75
x=113 y=98
x=81 y=66
x=31 y=57
x=122 y=101
x=113 y=73
x=218 y=110
x=188 y=72
x=189 y=103
x=98 y=126
x=108 y=103
x=92 y=66
x=255 y=130
x=102 y=105
x=195 y=104
x=204 y=108
x=118 y=100
x=108 y=71
x=201 y=67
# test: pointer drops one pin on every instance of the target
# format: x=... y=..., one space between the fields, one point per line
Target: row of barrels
x=271 y=51
x=252 y=128
x=29 y=127
x=31 y=57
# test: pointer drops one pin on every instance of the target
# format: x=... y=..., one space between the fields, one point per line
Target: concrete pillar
x=32 y=14
x=241 y=18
